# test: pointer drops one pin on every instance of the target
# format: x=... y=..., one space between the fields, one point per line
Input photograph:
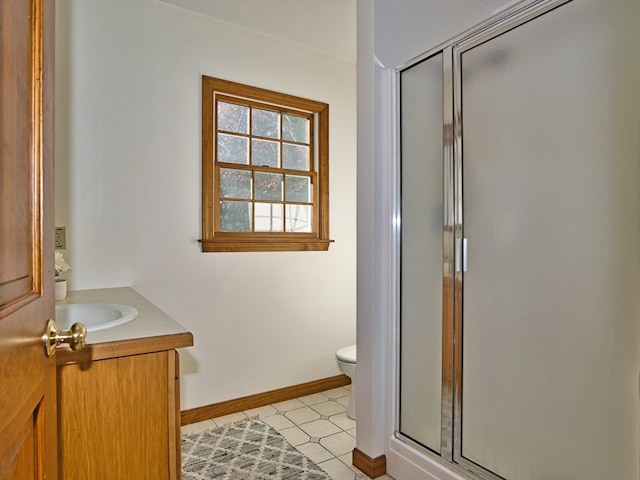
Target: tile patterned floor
x=317 y=425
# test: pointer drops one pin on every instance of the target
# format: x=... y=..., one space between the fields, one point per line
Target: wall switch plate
x=61 y=237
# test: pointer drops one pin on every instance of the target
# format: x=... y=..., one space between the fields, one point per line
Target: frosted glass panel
x=551 y=169
x=421 y=252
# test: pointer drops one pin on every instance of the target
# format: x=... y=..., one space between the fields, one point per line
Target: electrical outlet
x=61 y=237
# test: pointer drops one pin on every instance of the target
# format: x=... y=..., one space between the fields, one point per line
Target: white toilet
x=347 y=362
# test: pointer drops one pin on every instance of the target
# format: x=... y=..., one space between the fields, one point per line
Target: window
x=265 y=170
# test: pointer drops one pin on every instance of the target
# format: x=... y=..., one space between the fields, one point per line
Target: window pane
x=295 y=128
x=233 y=149
x=265 y=123
x=235 y=183
x=265 y=153
x=235 y=216
x=297 y=189
x=299 y=218
x=268 y=217
x=295 y=157
x=268 y=186
x=233 y=118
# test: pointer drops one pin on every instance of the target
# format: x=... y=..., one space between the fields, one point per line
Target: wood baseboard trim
x=206 y=412
x=372 y=467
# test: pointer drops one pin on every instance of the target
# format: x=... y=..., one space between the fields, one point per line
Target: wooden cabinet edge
x=122 y=348
x=175 y=420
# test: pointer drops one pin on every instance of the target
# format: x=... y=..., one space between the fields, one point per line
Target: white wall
x=128 y=173
x=404 y=33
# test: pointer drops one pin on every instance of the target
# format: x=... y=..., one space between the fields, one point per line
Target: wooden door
x=27 y=375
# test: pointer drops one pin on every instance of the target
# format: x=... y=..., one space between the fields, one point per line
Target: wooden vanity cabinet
x=119 y=411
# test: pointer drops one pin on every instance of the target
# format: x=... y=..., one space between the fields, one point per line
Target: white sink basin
x=95 y=316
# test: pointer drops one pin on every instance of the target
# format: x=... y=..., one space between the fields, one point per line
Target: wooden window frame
x=214 y=240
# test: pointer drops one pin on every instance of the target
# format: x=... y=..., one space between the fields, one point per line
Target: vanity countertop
x=151 y=331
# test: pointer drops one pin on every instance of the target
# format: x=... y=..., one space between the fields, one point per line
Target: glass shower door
x=550 y=163
x=421 y=276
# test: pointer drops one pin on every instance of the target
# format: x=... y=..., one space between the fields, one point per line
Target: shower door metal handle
x=461 y=256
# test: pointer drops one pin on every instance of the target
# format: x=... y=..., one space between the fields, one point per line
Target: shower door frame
x=453 y=231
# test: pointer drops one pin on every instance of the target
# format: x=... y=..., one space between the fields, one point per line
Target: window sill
x=262 y=245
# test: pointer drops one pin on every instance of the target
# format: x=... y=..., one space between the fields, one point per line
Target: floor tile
x=337 y=470
x=261 y=411
x=347 y=459
x=329 y=408
x=344 y=422
x=315 y=452
x=230 y=419
x=344 y=401
x=340 y=443
x=279 y=422
x=320 y=428
x=197 y=427
x=302 y=415
x=288 y=405
x=295 y=436
x=314 y=398
x=338 y=392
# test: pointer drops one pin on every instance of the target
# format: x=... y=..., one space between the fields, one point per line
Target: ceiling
x=494 y=5
x=327 y=26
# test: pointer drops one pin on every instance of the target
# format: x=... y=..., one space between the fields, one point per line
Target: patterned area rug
x=250 y=450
